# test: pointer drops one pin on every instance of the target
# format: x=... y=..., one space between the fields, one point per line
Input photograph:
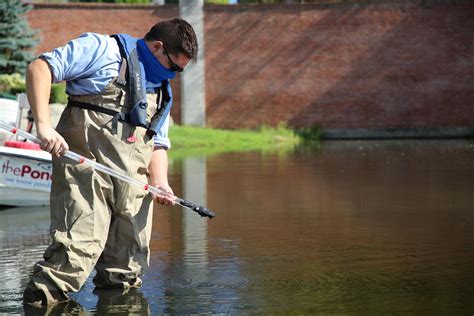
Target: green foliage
x=58 y=93
x=310 y=133
x=115 y=1
x=217 y=1
x=16 y=38
x=12 y=81
x=188 y=140
x=264 y=1
x=20 y=88
x=9 y=83
x=12 y=84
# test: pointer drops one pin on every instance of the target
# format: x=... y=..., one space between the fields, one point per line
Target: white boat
x=25 y=176
x=25 y=170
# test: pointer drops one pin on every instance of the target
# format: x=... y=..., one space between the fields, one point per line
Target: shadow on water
x=347 y=227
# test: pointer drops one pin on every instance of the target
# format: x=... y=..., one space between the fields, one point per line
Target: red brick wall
x=58 y=23
x=393 y=65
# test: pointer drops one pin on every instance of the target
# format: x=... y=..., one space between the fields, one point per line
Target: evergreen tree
x=16 y=37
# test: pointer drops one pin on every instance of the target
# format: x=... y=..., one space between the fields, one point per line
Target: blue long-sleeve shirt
x=88 y=64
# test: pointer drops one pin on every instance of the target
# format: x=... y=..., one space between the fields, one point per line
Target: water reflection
x=194 y=228
x=65 y=308
x=116 y=302
x=195 y=252
x=188 y=277
x=356 y=225
x=351 y=227
x=105 y=302
x=23 y=239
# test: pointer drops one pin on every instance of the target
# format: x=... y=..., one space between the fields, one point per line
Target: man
x=117 y=115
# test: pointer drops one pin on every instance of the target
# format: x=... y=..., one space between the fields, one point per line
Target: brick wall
x=391 y=65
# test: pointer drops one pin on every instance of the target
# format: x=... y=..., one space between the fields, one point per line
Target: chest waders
x=98 y=221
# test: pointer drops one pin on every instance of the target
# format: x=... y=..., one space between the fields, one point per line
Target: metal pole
x=193 y=97
x=201 y=210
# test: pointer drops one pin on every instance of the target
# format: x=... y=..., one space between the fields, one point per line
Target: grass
x=187 y=140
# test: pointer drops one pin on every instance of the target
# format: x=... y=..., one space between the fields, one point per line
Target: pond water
x=347 y=227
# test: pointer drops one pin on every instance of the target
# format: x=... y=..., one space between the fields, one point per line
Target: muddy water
x=347 y=228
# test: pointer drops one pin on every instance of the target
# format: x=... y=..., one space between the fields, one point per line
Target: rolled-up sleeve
x=161 y=138
x=89 y=62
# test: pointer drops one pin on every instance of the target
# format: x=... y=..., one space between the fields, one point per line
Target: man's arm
x=158 y=170
x=38 y=87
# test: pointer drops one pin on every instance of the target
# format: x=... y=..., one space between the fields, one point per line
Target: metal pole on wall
x=193 y=97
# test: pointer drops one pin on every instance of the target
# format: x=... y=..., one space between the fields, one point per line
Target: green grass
x=187 y=140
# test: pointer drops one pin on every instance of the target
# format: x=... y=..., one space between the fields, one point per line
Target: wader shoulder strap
x=122 y=49
x=123 y=71
x=121 y=80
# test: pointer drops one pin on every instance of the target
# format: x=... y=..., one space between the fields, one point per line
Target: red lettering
x=25 y=169
x=45 y=175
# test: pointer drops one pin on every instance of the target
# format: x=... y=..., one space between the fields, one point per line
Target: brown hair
x=177 y=36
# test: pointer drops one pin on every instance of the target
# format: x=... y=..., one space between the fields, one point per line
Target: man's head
x=173 y=42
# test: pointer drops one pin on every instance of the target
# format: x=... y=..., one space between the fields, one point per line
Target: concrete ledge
x=396 y=133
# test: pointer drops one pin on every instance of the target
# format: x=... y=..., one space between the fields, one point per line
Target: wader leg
x=80 y=219
x=79 y=227
x=126 y=254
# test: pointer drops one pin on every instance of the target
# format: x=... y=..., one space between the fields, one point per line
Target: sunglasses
x=174 y=67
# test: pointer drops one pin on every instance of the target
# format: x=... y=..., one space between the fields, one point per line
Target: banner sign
x=18 y=172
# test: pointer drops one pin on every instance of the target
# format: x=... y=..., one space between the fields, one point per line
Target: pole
x=193 y=96
x=201 y=210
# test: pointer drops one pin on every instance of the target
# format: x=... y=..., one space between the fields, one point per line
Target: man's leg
x=79 y=228
x=80 y=219
x=126 y=254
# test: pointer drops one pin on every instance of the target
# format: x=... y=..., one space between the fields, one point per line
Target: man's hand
x=158 y=172
x=168 y=198
x=51 y=141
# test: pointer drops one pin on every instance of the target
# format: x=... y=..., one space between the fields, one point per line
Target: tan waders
x=96 y=220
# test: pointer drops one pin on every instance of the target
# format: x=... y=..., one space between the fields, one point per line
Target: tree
x=16 y=38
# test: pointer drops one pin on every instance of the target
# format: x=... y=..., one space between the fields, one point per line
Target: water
x=347 y=228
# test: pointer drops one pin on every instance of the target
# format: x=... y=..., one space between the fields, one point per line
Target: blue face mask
x=154 y=70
